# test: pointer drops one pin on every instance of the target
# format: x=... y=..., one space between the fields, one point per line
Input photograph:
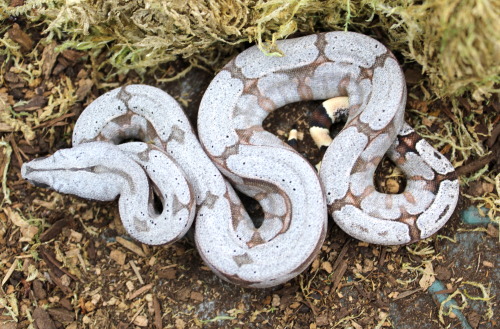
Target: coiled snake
x=103 y=163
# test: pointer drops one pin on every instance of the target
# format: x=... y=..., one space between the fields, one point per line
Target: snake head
x=88 y=170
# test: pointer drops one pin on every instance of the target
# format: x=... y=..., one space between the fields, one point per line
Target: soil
x=68 y=263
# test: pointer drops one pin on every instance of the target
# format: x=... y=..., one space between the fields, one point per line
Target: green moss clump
x=456 y=42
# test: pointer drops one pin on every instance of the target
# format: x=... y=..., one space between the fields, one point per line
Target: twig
x=381 y=260
x=65 y=289
x=16 y=150
x=54 y=263
x=495 y=133
x=54 y=121
x=338 y=276
x=140 y=291
x=130 y=246
x=157 y=309
x=476 y=165
x=136 y=314
x=9 y=272
x=136 y=271
x=341 y=255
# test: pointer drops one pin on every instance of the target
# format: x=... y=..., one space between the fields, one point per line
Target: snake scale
x=135 y=142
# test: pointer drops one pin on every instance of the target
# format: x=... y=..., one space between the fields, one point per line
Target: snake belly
x=318 y=67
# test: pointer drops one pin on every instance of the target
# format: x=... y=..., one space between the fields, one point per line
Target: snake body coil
x=324 y=66
x=166 y=176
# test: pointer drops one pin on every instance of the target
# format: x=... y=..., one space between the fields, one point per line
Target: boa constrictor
x=103 y=163
x=324 y=66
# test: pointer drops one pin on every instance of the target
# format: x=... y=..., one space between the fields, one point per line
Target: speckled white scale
x=143 y=112
x=255 y=64
x=344 y=156
x=387 y=81
x=102 y=171
x=279 y=89
x=323 y=66
x=353 y=48
x=440 y=210
x=226 y=99
x=433 y=158
x=372 y=152
x=357 y=223
x=287 y=186
x=248 y=112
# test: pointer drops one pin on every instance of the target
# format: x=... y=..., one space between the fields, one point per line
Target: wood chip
x=36 y=103
x=327 y=266
x=168 y=273
x=488 y=264
x=141 y=321
x=38 y=290
x=157 y=309
x=56 y=229
x=276 y=301
x=84 y=87
x=140 y=291
x=20 y=37
x=118 y=256
x=42 y=319
x=49 y=58
x=180 y=324
x=196 y=296
x=337 y=276
x=136 y=271
x=492 y=230
x=72 y=55
x=130 y=246
x=183 y=294
x=5 y=128
x=445 y=291
x=62 y=315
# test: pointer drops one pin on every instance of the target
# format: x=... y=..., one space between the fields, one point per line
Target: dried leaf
x=428 y=277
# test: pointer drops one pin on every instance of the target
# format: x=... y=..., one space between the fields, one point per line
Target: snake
x=136 y=143
x=361 y=79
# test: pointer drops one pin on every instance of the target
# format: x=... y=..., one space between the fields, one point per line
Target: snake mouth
x=39 y=184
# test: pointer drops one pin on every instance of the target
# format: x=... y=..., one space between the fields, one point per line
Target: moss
x=456 y=42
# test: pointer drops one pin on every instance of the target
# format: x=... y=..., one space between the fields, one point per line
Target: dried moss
x=456 y=42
